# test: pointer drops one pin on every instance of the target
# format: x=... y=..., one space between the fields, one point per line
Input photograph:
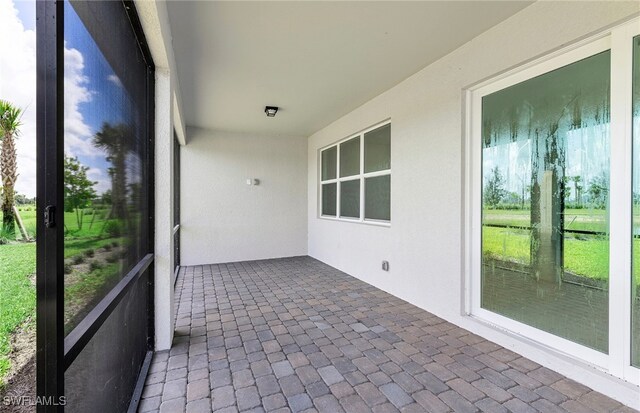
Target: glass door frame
x=622 y=190
x=176 y=205
x=619 y=39
x=55 y=352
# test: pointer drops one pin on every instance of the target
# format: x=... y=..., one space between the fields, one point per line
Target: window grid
x=361 y=176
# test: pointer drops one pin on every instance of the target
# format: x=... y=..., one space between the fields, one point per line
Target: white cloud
x=115 y=80
x=77 y=134
x=18 y=85
x=103 y=182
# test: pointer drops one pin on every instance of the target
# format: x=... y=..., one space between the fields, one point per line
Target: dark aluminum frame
x=50 y=194
x=55 y=353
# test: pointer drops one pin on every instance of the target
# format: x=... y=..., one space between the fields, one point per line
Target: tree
x=494 y=191
x=116 y=141
x=21 y=199
x=106 y=197
x=513 y=199
x=599 y=190
x=9 y=124
x=577 y=188
x=78 y=189
x=565 y=188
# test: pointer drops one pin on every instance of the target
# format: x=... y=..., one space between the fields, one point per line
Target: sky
x=587 y=155
x=18 y=82
x=92 y=91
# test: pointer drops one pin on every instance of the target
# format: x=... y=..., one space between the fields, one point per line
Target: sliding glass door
x=545 y=164
x=555 y=201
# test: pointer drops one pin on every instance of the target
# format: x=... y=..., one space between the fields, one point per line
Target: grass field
x=17 y=294
x=574 y=219
x=94 y=259
x=28 y=215
x=585 y=255
x=89 y=228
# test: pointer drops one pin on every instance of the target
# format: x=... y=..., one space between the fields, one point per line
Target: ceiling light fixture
x=271 y=111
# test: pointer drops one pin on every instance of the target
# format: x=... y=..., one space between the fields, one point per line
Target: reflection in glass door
x=545 y=198
x=105 y=149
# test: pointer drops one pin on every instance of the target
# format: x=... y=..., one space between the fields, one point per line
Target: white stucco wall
x=155 y=22
x=163 y=238
x=222 y=218
x=424 y=244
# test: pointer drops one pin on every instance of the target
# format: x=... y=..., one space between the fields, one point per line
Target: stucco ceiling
x=317 y=61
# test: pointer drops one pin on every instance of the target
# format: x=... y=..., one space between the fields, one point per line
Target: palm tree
x=116 y=141
x=9 y=124
x=577 y=187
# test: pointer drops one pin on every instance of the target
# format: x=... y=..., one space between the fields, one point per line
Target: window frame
x=618 y=39
x=361 y=176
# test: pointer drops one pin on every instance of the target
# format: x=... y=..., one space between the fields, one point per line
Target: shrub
x=89 y=253
x=107 y=247
x=115 y=244
x=113 y=228
x=67 y=268
x=78 y=259
x=3 y=241
x=111 y=258
x=95 y=265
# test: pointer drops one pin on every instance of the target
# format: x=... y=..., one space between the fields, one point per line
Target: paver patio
x=294 y=335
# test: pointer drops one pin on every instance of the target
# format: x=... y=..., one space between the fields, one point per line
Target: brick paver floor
x=295 y=335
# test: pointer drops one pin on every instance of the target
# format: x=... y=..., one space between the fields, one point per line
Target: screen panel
x=350 y=157
x=329 y=163
x=377 y=198
x=102 y=378
x=108 y=194
x=377 y=149
x=329 y=199
x=106 y=145
x=350 y=199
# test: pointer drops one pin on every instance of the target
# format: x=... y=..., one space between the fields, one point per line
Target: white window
x=550 y=220
x=355 y=177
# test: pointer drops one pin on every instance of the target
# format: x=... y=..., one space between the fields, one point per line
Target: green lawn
x=28 y=215
x=79 y=246
x=506 y=243
x=17 y=294
x=100 y=266
x=577 y=219
x=583 y=255
x=93 y=226
x=18 y=262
